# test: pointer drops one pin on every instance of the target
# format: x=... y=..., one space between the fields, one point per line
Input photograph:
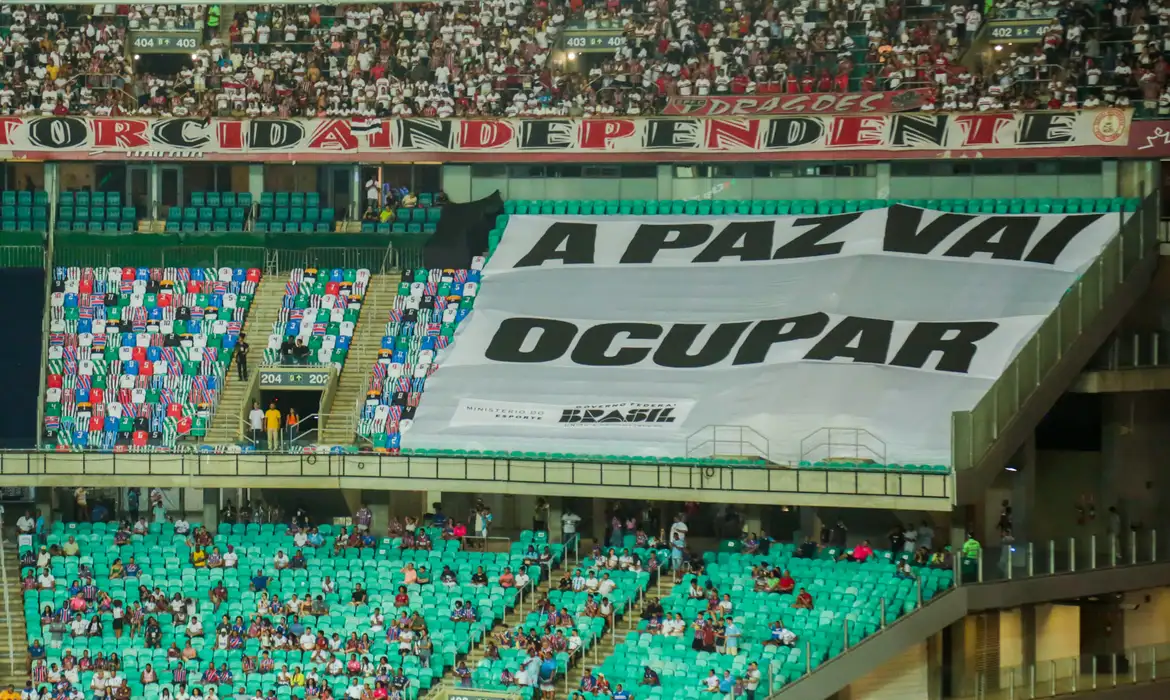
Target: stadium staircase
x=12 y=626
x=340 y=424
x=606 y=645
x=225 y=425
x=512 y=618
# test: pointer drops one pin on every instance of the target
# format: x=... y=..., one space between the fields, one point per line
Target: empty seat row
x=397 y=227
x=95 y=213
x=16 y=225
x=89 y=199
x=221 y=199
x=24 y=198
x=296 y=214
x=205 y=227
x=418 y=215
x=291 y=227
x=786 y=207
x=290 y=199
x=767 y=207
x=95 y=226
x=209 y=214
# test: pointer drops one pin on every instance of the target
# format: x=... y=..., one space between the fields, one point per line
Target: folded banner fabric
x=628 y=336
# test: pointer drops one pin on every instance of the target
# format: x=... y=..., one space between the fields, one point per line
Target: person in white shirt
x=230 y=558
x=79 y=627
x=606 y=585
x=256 y=422
x=194 y=627
x=46 y=580
x=25 y=524
x=280 y=561
x=569 y=521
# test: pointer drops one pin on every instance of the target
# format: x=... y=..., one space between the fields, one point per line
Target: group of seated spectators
x=494 y=57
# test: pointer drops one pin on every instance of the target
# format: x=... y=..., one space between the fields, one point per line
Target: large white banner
x=626 y=336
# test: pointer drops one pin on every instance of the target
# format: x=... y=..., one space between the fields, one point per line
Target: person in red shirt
x=824 y=82
x=803 y=601
x=786 y=584
x=841 y=82
x=860 y=553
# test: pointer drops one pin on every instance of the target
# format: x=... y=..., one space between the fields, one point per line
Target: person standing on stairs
x=256 y=422
x=272 y=426
x=242 y=348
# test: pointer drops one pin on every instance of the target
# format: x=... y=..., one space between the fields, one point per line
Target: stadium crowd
x=495 y=57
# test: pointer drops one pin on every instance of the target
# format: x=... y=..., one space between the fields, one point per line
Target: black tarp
x=23 y=292
x=462 y=233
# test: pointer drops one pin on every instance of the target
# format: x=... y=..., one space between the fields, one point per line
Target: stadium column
x=357 y=193
x=753 y=520
x=211 y=509
x=1024 y=492
x=256 y=181
x=404 y=503
x=44 y=505
x=810 y=524
x=556 y=508
x=600 y=520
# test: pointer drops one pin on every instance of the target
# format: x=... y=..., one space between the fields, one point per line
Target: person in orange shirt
x=290 y=423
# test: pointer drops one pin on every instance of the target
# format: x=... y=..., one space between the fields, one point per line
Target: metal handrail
x=7 y=606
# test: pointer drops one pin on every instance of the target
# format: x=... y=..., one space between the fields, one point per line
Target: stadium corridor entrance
x=307 y=404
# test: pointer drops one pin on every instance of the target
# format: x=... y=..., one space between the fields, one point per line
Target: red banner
x=817 y=103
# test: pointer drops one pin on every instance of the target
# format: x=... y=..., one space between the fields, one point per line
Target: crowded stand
x=504 y=59
x=163 y=608
x=273 y=605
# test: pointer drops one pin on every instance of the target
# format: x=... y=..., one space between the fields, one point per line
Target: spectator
x=272 y=425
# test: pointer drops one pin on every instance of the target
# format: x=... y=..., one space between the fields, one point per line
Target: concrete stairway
x=12 y=624
x=340 y=422
x=612 y=638
x=513 y=617
x=225 y=424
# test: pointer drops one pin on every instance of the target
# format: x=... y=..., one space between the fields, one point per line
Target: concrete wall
x=1149 y=623
x=1135 y=454
x=903 y=678
x=1057 y=639
x=1061 y=478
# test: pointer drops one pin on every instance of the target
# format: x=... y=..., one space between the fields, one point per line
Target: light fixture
x=999 y=47
x=572 y=55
